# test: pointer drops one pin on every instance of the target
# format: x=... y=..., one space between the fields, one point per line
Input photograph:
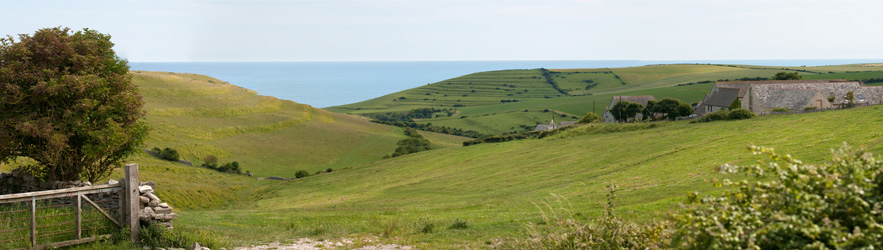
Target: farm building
x=551 y=125
x=641 y=99
x=764 y=96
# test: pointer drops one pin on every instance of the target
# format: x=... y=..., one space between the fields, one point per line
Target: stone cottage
x=764 y=96
x=642 y=99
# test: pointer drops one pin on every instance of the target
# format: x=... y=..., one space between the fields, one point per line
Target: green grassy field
x=495 y=186
x=587 y=90
x=199 y=115
x=202 y=116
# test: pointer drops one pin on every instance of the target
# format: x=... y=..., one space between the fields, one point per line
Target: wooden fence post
x=133 y=200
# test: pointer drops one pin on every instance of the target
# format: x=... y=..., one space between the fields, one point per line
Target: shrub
x=780 y=110
x=562 y=231
x=169 y=154
x=210 y=161
x=791 y=205
x=590 y=118
x=810 y=108
x=157 y=236
x=427 y=226
x=739 y=114
x=719 y=115
x=329 y=170
x=301 y=174
x=735 y=104
x=459 y=224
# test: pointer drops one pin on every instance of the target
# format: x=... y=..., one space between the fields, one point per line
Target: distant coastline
x=326 y=84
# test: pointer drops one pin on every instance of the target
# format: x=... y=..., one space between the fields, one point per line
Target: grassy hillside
x=199 y=115
x=584 y=90
x=497 y=187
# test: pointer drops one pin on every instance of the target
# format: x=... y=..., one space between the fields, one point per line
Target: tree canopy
x=623 y=110
x=787 y=76
x=673 y=108
x=67 y=102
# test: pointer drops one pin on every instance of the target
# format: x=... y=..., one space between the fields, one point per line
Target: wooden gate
x=64 y=217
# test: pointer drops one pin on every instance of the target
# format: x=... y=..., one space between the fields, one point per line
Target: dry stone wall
x=22 y=182
x=153 y=210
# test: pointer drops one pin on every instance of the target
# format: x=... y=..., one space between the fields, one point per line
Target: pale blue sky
x=408 y=30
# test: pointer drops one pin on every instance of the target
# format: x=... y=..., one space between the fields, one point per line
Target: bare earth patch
x=308 y=244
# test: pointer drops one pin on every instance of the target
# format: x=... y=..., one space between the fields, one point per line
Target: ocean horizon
x=327 y=84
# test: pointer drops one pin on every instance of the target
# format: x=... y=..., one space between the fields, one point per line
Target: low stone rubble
x=153 y=210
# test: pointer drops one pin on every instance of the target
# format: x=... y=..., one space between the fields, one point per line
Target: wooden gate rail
x=129 y=209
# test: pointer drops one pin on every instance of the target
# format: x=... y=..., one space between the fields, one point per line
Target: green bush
x=590 y=118
x=459 y=224
x=780 y=110
x=739 y=114
x=301 y=174
x=167 y=154
x=719 y=115
x=157 y=236
x=791 y=205
x=559 y=230
x=426 y=226
x=810 y=108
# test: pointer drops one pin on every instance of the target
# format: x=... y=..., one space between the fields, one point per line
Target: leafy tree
x=590 y=118
x=787 y=76
x=412 y=145
x=67 y=102
x=633 y=109
x=735 y=104
x=684 y=109
x=210 y=161
x=672 y=108
x=850 y=99
x=623 y=110
x=647 y=112
x=790 y=205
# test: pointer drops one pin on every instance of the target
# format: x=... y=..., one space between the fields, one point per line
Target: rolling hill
x=498 y=187
x=199 y=116
x=486 y=97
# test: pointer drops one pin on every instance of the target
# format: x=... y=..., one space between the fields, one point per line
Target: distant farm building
x=764 y=96
x=551 y=125
x=641 y=99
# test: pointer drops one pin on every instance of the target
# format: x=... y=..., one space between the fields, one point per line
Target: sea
x=327 y=84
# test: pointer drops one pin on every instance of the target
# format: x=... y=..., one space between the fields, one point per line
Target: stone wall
x=22 y=182
x=153 y=210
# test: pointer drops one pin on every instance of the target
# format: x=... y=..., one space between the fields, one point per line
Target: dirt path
x=308 y=244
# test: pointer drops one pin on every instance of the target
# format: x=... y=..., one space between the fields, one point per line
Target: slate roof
x=793 y=99
x=723 y=97
x=541 y=127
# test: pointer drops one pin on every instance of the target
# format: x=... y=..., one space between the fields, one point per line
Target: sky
x=465 y=30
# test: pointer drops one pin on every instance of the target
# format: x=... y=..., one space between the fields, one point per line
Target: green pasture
x=199 y=116
x=500 y=187
x=588 y=90
x=498 y=123
x=484 y=88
